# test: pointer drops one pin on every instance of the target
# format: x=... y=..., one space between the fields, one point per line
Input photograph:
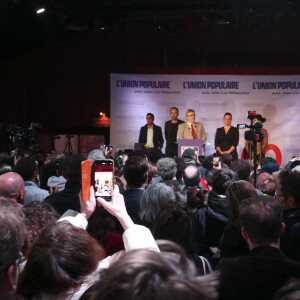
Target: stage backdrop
x=277 y=98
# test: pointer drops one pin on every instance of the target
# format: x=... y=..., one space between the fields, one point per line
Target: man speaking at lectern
x=191 y=129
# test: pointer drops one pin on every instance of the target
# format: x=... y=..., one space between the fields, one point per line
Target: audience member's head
x=143 y=274
x=242 y=168
x=236 y=192
x=96 y=154
x=180 y=166
x=226 y=158
x=154 y=155
x=209 y=177
x=288 y=191
x=189 y=156
x=72 y=168
x=270 y=167
x=167 y=168
x=221 y=180
x=191 y=176
x=38 y=215
x=195 y=197
x=208 y=162
x=174 y=223
x=136 y=171
x=12 y=187
x=153 y=200
x=266 y=183
x=295 y=165
x=27 y=168
x=12 y=235
x=59 y=261
x=266 y=160
x=261 y=219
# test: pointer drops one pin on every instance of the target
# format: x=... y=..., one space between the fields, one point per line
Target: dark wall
x=65 y=85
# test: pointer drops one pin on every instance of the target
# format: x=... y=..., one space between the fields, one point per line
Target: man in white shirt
x=151 y=134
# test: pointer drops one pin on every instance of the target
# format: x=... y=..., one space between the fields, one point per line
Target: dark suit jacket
x=66 y=199
x=132 y=198
x=158 y=140
x=256 y=276
x=168 y=132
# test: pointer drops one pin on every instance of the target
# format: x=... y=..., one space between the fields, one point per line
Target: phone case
x=86 y=178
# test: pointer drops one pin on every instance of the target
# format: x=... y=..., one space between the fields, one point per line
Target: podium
x=196 y=144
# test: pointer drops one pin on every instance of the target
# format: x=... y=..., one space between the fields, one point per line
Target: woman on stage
x=261 y=146
x=227 y=138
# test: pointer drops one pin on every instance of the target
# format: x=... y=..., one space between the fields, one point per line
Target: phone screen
x=104 y=178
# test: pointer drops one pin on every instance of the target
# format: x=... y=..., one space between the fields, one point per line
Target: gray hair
x=154 y=198
x=96 y=154
x=167 y=168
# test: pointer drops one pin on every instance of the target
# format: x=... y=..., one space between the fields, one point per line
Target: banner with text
x=276 y=98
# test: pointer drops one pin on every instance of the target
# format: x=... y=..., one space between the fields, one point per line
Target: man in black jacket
x=171 y=128
x=261 y=273
x=69 y=197
x=151 y=134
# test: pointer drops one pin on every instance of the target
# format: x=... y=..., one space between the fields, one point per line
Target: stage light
x=41 y=10
x=101 y=113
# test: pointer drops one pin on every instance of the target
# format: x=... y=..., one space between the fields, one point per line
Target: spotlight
x=40 y=11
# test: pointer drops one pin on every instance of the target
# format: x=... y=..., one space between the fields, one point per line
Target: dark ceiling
x=22 y=29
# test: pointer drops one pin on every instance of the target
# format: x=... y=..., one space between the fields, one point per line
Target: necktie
x=193 y=132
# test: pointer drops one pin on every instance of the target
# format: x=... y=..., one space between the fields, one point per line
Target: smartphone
x=214 y=250
x=103 y=179
x=216 y=161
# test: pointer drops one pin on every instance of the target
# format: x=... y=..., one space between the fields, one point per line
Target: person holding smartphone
x=227 y=138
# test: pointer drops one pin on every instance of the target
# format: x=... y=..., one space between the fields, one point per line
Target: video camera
x=254 y=134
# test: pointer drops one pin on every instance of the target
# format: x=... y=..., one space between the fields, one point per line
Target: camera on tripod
x=254 y=134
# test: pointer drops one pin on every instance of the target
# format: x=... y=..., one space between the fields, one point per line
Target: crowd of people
x=175 y=228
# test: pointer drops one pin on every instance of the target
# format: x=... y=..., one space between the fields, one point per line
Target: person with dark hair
x=69 y=197
x=154 y=199
x=260 y=146
x=174 y=223
x=180 y=166
x=12 y=187
x=288 y=195
x=65 y=261
x=38 y=215
x=28 y=169
x=151 y=134
x=171 y=128
x=217 y=197
x=261 y=273
x=242 y=168
x=12 y=236
x=227 y=138
x=142 y=274
x=226 y=159
x=209 y=174
x=232 y=242
x=136 y=174
x=209 y=221
x=196 y=198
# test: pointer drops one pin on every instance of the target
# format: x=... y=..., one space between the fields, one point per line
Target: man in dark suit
x=265 y=270
x=151 y=134
x=136 y=174
x=171 y=128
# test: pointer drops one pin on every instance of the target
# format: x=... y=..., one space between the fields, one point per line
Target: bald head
x=191 y=176
x=12 y=187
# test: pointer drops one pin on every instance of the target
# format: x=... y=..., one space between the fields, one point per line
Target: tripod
x=68 y=146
